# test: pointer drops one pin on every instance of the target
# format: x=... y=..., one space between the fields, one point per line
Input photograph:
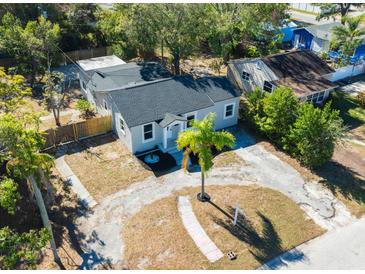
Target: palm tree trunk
x=44 y=216
x=203 y=182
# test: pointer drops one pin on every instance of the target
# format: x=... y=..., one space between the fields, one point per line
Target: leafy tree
x=280 y=110
x=350 y=34
x=9 y=195
x=251 y=26
x=55 y=93
x=113 y=26
x=12 y=91
x=21 y=249
x=331 y=10
x=34 y=46
x=85 y=107
x=314 y=134
x=22 y=142
x=78 y=28
x=184 y=27
x=200 y=140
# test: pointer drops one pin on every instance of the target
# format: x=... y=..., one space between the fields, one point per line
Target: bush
x=252 y=108
x=305 y=131
x=361 y=98
x=8 y=195
x=21 y=249
x=314 y=134
x=280 y=110
x=86 y=109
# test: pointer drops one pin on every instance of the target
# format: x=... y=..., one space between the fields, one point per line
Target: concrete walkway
x=75 y=183
x=339 y=249
x=196 y=232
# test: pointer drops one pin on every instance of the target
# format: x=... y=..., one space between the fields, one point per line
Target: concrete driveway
x=339 y=249
x=102 y=229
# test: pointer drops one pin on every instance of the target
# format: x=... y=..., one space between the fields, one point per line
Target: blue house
x=288 y=32
x=316 y=37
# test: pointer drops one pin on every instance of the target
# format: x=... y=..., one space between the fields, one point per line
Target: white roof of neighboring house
x=100 y=62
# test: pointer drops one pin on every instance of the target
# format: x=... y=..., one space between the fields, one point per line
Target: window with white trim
x=121 y=125
x=228 y=111
x=245 y=76
x=320 y=96
x=190 y=118
x=147 y=132
x=267 y=87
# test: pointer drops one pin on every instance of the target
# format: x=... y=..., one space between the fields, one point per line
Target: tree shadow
x=64 y=211
x=342 y=179
x=264 y=246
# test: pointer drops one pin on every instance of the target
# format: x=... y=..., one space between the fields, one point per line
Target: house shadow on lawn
x=263 y=247
x=342 y=179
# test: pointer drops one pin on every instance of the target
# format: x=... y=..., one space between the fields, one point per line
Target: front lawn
x=155 y=237
x=350 y=110
x=104 y=165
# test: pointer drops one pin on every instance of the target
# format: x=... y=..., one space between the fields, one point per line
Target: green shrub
x=315 y=133
x=86 y=109
x=9 y=195
x=21 y=249
x=280 y=110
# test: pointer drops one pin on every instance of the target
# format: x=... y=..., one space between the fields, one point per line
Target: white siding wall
x=259 y=73
x=319 y=45
x=218 y=108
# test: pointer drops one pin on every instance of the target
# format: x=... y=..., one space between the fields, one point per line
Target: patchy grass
x=350 y=110
x=104 y=165
x=228 y=159
x=271 y=224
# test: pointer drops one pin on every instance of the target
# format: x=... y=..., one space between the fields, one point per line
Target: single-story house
x=149 y=107
x=303 y=71
x=315 y=37
x=318 y=38
x=287 y=31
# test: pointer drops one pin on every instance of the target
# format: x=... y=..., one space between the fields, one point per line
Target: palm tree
x=350 y=34
x=200 y=140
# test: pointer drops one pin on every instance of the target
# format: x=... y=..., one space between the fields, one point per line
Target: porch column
x=165 y=137
x=182 y=127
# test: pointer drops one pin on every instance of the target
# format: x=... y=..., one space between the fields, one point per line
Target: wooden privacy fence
x=77 y=131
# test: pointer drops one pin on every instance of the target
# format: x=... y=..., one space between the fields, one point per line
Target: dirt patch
x=63 y=208
x=104 y=165
x=344 y=175
x=271 y=224
x=228 y=159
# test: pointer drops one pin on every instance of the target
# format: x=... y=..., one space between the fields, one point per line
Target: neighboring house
x=303 y=71
x=149 y=107
x=287 y=31
x=316 y=37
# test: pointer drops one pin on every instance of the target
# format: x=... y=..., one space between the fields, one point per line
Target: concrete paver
x=195 y=230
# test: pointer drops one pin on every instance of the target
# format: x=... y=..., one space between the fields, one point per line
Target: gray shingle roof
x=323 y=31
x=170 y=118
x=178 y=95
x=115 y=77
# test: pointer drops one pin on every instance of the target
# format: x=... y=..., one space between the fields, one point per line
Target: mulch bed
x=166 y=162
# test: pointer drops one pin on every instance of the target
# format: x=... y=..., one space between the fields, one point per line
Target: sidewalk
x=342 y=248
